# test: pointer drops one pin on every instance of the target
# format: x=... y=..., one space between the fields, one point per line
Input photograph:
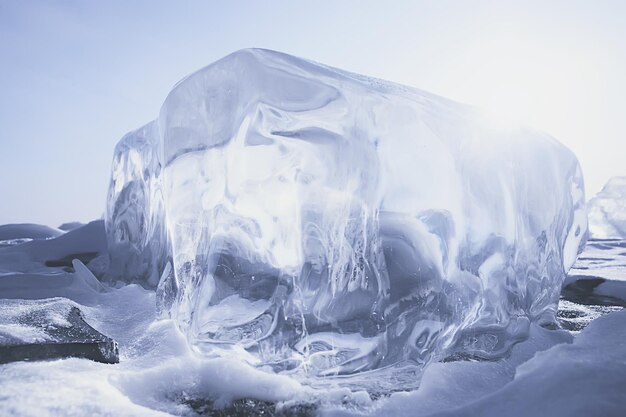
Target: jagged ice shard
x=324 y=222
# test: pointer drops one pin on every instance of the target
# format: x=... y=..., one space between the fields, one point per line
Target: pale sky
x=75 y=76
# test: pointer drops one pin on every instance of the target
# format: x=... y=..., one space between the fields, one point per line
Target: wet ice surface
x=160 y=375
x=598 y=276
x=15 y=234
x=596 y=284
x=575 y=317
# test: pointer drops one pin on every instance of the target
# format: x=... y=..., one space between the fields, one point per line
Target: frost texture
x=607 y=211
x=330 y=223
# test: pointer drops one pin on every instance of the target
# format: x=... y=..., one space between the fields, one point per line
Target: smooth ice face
x=331 y=223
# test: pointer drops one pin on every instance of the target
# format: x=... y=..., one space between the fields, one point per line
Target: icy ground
x=553 y=373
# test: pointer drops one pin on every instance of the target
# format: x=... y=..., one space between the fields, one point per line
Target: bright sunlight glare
x=530 y=84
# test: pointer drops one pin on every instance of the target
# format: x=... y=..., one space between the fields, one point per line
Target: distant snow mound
x=332 y=223
x=27 y=231
x=70 y=226
x=85 y=243
x=607 y=211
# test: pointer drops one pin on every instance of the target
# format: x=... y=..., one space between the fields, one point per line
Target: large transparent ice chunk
x=331 y=223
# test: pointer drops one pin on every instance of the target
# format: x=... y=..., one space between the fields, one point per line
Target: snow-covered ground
x=553 y=373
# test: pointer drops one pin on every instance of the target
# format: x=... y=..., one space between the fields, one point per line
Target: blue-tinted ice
x=607 y=211
x=330 y=223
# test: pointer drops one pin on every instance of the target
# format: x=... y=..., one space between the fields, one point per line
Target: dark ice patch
x=581 y=291
x=66 y=261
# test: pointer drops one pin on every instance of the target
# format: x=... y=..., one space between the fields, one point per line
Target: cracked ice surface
x=323 y=222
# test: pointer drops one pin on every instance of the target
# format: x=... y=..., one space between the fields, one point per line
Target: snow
x=157 y=368
x=14 y=234
x=607 y=211
x=14 y=327
x=27 y=230
x=85 y=242
x=70 y=226
x=159 y=374
x=331 y=207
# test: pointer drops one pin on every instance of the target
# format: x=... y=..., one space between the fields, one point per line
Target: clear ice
x=319 y=221
x=607 y=211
